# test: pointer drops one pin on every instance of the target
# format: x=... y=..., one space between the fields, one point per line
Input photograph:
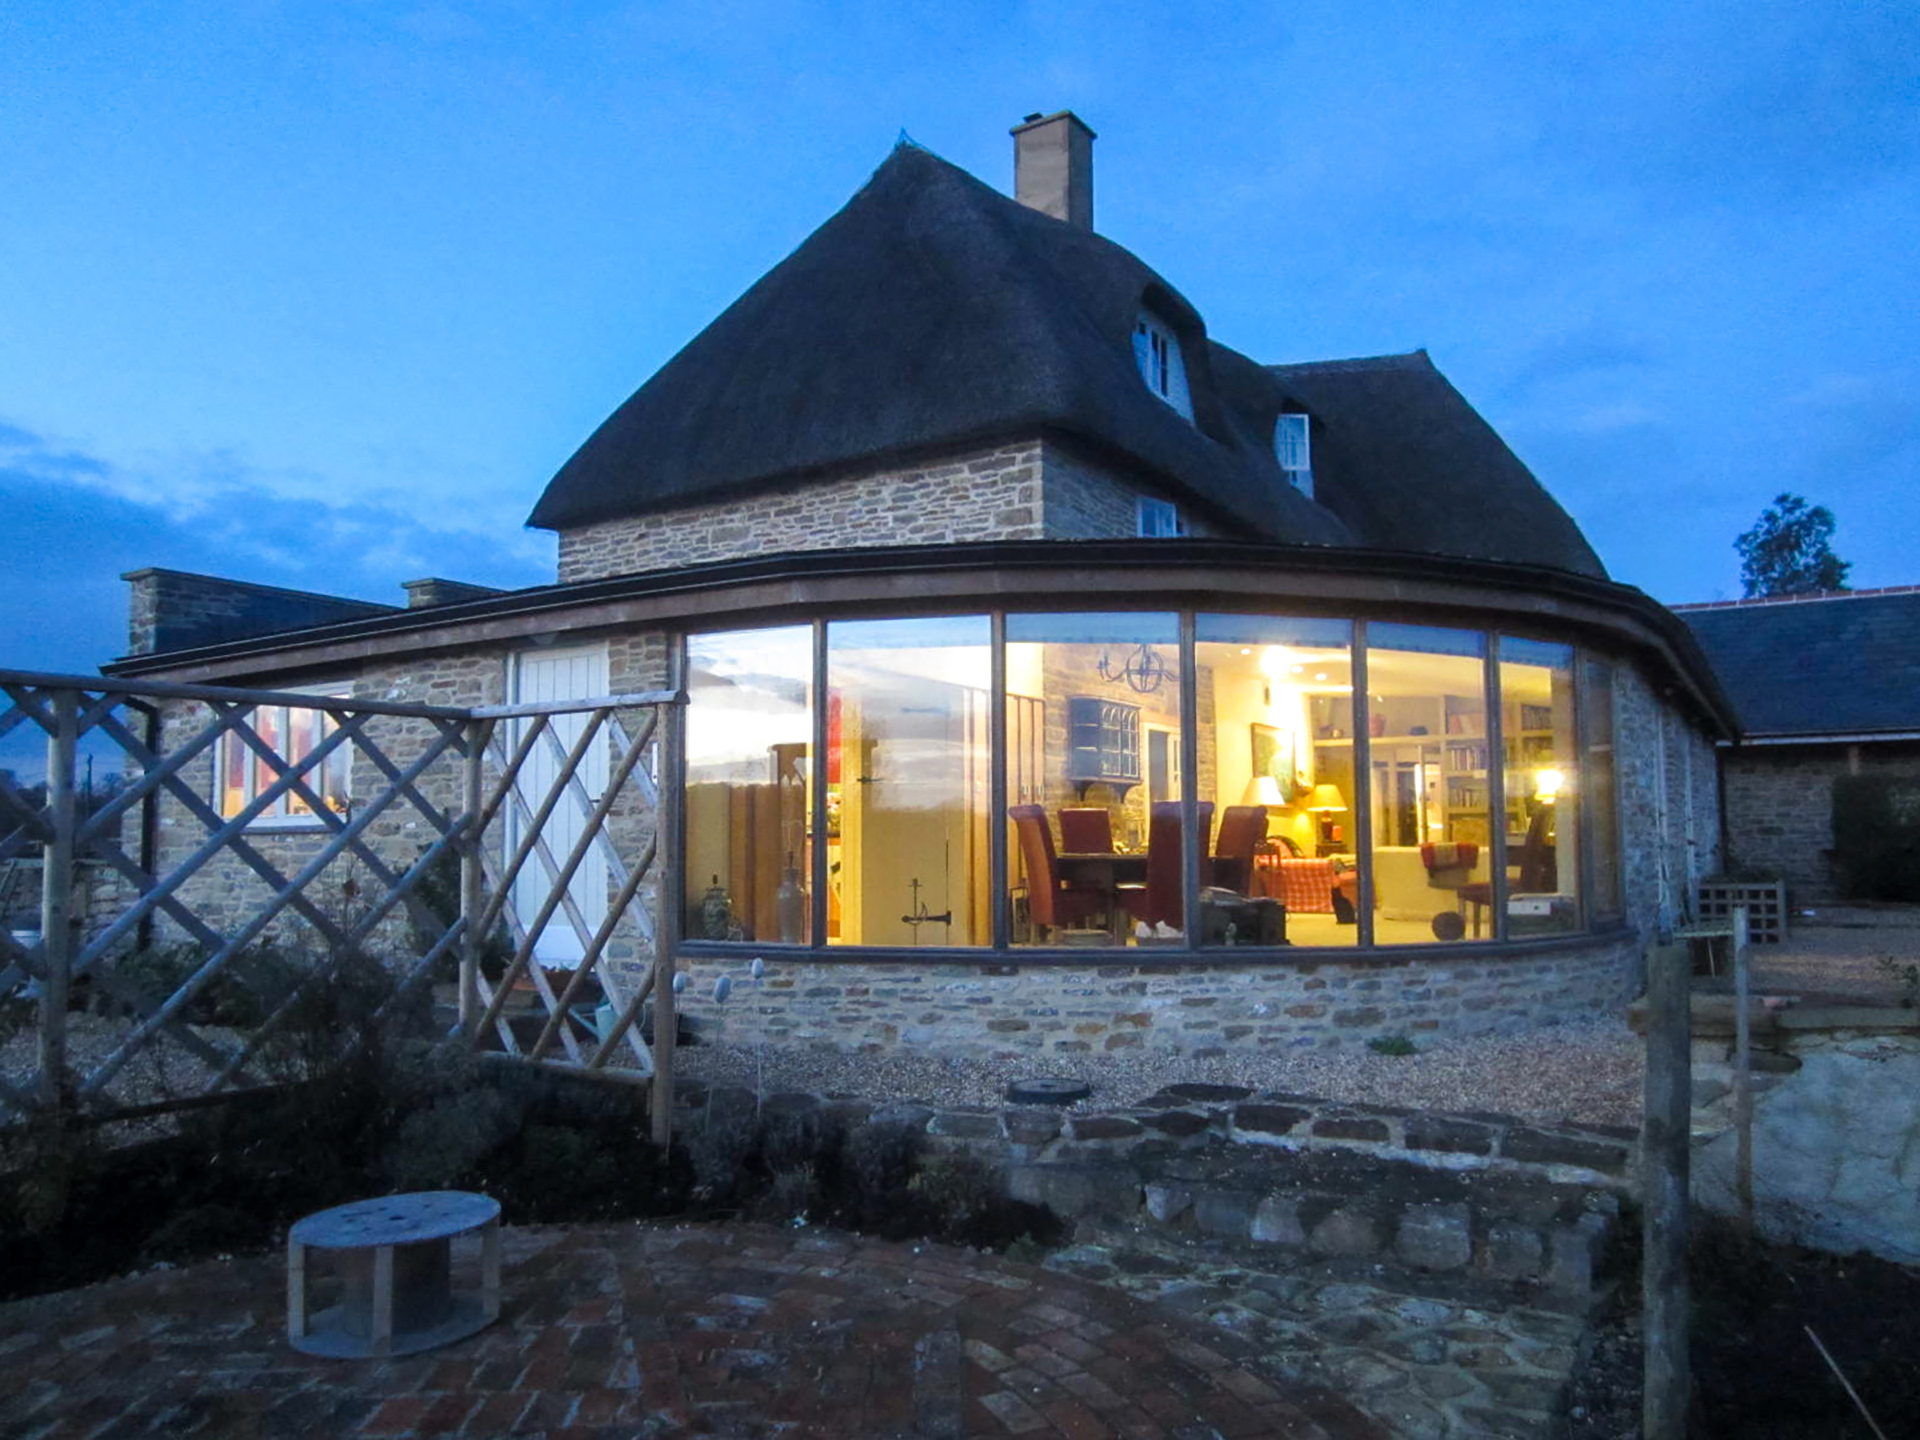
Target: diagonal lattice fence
x=249 y=851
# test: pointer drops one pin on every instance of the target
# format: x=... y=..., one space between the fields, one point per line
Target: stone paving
x=664 y=1331
x=1431 y=1359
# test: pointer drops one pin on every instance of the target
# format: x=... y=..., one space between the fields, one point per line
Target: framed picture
x=1273 y=755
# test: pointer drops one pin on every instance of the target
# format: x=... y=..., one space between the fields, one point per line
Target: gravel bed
x=1589 y=1073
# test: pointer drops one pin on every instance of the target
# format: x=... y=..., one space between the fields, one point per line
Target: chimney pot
x=1053 y=167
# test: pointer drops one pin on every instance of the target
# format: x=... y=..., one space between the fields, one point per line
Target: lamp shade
x=1325 y=797
x=1263 y=790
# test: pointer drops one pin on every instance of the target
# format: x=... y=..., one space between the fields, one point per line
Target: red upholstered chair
x=1163 y=901
x=1086 y=830
x=1052 y=904
x=1243 y=830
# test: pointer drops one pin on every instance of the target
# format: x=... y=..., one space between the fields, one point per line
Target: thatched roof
x=934 y=312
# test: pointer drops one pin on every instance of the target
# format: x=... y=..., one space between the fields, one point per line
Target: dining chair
x=1243 y=830
x=1051 y=903
x=1162 y=901
x=1537 y=871
x=1086 y=830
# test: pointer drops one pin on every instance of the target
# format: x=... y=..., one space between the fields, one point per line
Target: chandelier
x=1143 y=672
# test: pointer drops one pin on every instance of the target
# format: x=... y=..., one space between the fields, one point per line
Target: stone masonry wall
x=1027 y=491
x=1667 y=776
x=1780 y=809
x=172 y=610
x=1202 y=1010
x=990 y=494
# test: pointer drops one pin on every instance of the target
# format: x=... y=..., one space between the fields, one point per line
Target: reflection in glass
x=1275 y=701
x=909 y=771
x=1430 y=791
x=1542 y=790
x=749 y=763
x=1597 y=782
x=1093 y=741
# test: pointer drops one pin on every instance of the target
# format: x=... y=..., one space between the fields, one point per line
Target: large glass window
x=1275 y=703
x=749 y=863
x=1093 y=777
x=909 y=782
x=1542 y=791
x=1600 y=806
x=1430 y=796
x=1351 y=784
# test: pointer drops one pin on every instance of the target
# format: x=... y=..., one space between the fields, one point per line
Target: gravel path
x=1589 y=1073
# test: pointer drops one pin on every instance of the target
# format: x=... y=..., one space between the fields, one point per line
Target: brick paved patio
x=642 y=1330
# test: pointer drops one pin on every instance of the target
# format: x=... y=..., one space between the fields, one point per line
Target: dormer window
x=1294 y=450
x=1158 y=519
x=1156 y=350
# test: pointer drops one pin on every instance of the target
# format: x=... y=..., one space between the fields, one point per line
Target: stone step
x=1335 y=1205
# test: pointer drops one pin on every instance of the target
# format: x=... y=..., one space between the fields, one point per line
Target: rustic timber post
x=1742 y=1078
x=473 y=881
x=667 y=839
x=56 y=901
x=1665 y=1135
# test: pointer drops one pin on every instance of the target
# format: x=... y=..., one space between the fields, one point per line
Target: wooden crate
x=1766 y=902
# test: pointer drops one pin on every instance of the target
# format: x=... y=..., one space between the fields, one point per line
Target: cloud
x=76 y=522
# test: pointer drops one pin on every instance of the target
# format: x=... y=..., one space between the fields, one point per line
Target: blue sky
x=321 y=294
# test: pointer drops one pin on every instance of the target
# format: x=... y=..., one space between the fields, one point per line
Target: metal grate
x=1766 y=902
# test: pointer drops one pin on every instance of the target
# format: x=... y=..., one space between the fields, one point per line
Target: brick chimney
x=1053 y=167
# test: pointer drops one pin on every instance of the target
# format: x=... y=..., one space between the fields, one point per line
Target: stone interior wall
x=1202 y=1010
x=1779 y=802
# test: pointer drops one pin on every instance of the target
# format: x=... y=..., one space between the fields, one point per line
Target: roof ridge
x=1397 y=360
x=1816 y=595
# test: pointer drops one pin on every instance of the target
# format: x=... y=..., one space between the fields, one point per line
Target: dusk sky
x=321 y=294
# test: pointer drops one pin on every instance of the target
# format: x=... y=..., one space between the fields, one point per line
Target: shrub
x=1876 y=836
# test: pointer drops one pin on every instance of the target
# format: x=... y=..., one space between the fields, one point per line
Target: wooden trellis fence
x=173 y=859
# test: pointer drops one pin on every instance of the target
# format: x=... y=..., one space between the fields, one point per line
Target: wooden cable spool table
x=395 y=1258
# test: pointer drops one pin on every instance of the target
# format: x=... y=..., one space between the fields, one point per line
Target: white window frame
x=253 y=775
x=1156 y=353
x=1157 y=519
x=1293 y=448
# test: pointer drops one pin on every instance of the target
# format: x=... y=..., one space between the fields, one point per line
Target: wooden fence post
x=1665 y=1136
x=1742 y=1077
x=473 y=879
x=667 y=835
x=56 y=901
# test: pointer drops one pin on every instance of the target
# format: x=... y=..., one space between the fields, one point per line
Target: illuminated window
x=293 y=734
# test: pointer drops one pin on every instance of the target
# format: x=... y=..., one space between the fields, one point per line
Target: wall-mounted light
x=1546 y=785
x=1143 y=673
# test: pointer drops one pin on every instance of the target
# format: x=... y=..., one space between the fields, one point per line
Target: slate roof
x=1817 y=666
x=933 y=312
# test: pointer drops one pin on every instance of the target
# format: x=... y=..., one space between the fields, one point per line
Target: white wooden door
x=572 y=674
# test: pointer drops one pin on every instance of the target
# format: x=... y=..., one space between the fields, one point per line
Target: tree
x=1788 y=551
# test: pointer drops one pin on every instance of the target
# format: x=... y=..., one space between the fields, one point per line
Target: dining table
x=1107 y=871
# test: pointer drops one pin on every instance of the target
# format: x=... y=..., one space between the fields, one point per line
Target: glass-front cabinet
x=1144 y=780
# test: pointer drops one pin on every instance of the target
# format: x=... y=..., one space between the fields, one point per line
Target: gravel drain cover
x=1047 y=1090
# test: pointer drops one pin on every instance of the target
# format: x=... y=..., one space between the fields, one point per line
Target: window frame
x=1293 y=448
x=1155 y=519
x=1161 y=365
x=283 y=817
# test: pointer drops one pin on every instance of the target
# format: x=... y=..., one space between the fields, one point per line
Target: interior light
x=1275 y=659
x=1321 y=677
x=1547 y=783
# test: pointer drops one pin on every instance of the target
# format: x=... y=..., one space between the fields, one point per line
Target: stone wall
x=173 y=610
x=1031 y=490
x=1836 y=1141
x=1667 y=774
x=1779 y=802
x=1199 y=1010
